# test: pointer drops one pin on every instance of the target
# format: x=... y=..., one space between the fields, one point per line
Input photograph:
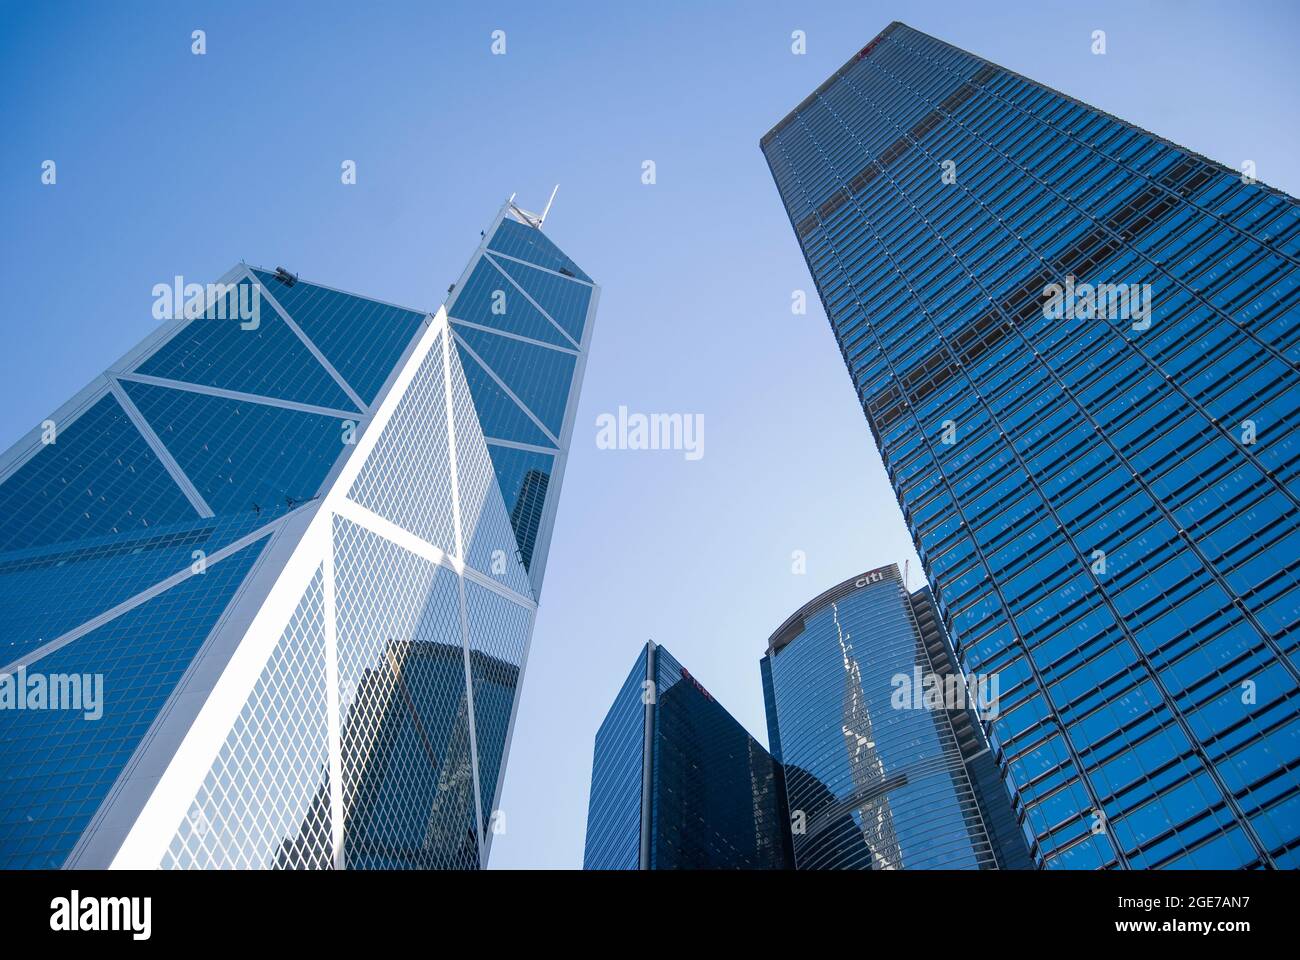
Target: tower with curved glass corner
x=878 y=737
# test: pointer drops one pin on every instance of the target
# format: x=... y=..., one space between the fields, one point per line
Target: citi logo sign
x=76 y=913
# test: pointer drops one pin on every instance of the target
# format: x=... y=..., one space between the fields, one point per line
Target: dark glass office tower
x=677 y=783
x=883 y=770
x=1076 y=345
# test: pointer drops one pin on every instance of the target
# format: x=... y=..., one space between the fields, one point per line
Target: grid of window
x=243 y=457
x=498 y=642
x=48 y=591
x=56 y=766
x=96 y=477
x=265 y=802
x=260 y=355
x=519 y=240
x=411 y=453
x=408 y=791
x=499 y=415
x=532 y=372
x=362 y=339
x=1105 y=505
x=614 y=807
x=565 y=301
x=489 y=299
x=490 y=544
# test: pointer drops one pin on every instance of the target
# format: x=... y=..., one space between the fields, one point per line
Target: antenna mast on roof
x=528 y=217
x=542 y=219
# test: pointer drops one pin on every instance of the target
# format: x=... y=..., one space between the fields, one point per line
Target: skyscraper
x=1076 y=347
x=881 y=773
x=677 y=783
x=296 y=538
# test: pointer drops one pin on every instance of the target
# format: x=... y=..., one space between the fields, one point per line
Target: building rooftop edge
x=1217 y=164
x=781 y=124
x=780 y=638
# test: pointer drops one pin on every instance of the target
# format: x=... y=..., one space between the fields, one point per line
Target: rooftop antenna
x=542 y=219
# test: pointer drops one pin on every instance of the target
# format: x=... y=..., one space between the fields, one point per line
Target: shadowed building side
x=677 y=783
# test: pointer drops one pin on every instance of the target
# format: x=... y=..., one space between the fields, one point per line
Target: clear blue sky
x=170 y=164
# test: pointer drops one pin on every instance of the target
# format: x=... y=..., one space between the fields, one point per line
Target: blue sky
x=169 y=163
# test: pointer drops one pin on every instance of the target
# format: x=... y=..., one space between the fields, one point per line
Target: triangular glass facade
x=521 y=319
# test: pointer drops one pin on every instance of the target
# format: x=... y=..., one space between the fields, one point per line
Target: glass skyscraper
x=297 y=538
x=881 y=771
x=677 y=783
x=1076 y=345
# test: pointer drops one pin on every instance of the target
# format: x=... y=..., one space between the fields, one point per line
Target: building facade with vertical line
x=299 y=537
x=1076 y=346
x=677 y=783
x=878 y=775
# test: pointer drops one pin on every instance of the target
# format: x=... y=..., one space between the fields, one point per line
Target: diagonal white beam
x=529 y=298
x=315 y=350
x=382 y=526
x=238 y=395
x=160 y=450
x=506 y=389
x=144 y=596
x=365 y=517
x=555 y=273
x=518 y=445
x=513 y=336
